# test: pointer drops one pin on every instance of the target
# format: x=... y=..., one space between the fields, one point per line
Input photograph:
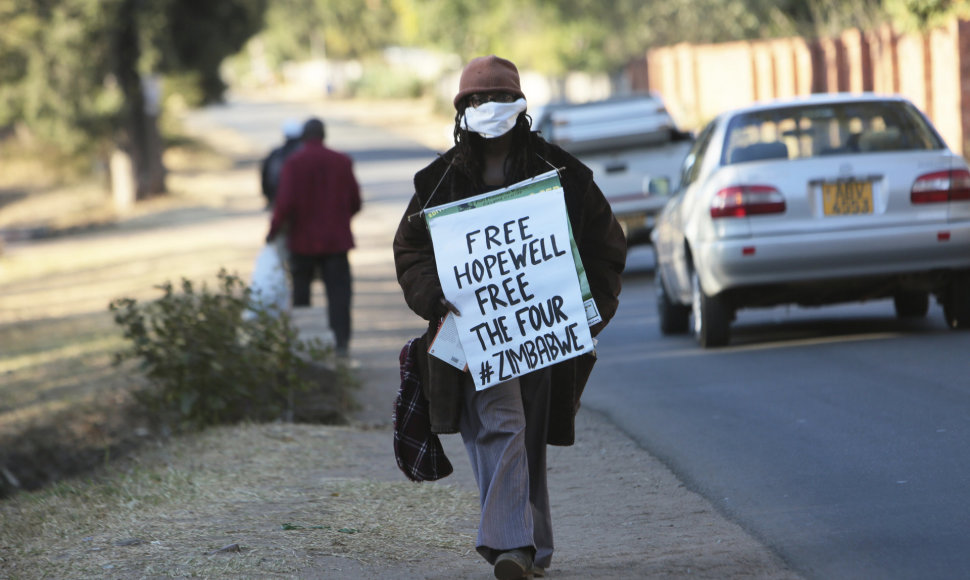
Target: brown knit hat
x=487 y=74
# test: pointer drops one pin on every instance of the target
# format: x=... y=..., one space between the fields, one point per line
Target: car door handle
x=615 y=167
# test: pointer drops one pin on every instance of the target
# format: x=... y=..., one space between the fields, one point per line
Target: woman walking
x=506 y=427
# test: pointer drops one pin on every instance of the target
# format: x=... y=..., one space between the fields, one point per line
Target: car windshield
x=806 y=131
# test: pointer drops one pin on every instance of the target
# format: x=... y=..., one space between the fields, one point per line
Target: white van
x=633 y=147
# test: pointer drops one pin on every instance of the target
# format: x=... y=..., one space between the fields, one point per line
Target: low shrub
x=214 y=357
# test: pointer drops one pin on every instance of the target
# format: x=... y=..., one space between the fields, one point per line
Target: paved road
x=837 y=435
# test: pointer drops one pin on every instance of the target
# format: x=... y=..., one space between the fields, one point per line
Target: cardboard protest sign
x=543 y=182
x=508 y=264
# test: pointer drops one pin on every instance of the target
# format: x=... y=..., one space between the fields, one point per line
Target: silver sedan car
x=820 y=200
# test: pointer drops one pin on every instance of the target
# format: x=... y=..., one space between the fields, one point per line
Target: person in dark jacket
x=272 y=166
x=318 y=196
x=506 y=427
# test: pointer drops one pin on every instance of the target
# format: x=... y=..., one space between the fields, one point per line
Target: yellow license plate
x=847 y=197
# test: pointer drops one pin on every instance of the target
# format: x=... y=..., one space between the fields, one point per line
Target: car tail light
x=746 y=200
x=941 y=187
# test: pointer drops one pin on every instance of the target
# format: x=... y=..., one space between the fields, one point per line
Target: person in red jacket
x=317 y=197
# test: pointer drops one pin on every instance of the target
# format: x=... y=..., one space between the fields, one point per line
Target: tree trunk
x=154 y=169
x=140 y=138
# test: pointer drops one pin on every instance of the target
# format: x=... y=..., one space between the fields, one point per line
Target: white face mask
x=493 y=119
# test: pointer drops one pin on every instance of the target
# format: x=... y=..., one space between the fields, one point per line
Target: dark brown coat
x=602 y=247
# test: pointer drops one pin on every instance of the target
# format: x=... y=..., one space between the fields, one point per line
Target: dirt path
x=328 y=502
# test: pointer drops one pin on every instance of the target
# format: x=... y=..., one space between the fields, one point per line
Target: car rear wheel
x=711 y=316
x=674 y=318
x=912 y=304
x=956 y=305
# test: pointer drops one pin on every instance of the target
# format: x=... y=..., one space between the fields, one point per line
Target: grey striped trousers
x=504 y=429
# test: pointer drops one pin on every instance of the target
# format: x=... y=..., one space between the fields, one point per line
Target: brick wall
x=963 y=50
x=943 y=73
x=911 y=67
x=932 y=70
x=882 y=54
x=785 y=68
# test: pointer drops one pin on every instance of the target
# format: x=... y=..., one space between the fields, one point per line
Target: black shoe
x=513 y=565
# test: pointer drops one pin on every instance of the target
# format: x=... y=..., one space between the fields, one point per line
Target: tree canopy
x=555 y=36
x=72 y=71
x=54 y=71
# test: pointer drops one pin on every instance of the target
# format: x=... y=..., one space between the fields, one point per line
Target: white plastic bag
x=270 y=283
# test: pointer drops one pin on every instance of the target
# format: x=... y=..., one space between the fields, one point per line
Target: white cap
x=292 y=128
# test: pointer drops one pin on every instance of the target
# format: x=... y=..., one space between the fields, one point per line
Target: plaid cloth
x=418 y=451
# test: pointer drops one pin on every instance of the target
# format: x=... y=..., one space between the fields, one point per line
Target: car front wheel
x=956 y=305
x=674 y=318
x=711 y=316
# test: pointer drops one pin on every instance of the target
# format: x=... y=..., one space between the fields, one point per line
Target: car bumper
x=726 y=264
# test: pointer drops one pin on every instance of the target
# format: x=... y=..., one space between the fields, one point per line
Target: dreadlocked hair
x=469 y=153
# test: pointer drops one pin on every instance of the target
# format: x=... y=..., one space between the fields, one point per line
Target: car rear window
x=806 y=131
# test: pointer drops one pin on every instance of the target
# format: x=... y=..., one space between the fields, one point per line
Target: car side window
x=695 y=158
